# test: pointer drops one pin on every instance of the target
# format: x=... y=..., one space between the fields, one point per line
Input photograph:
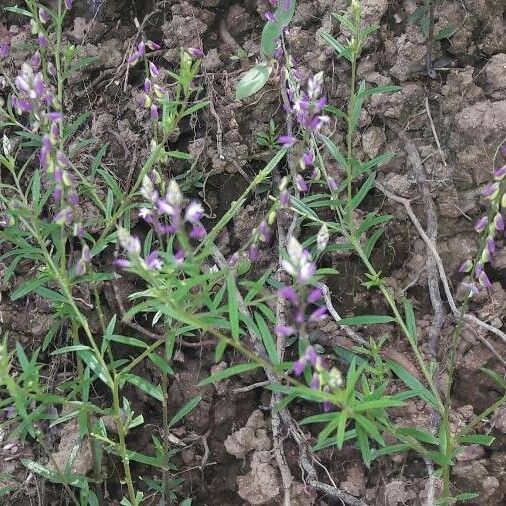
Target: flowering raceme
x=490 y=227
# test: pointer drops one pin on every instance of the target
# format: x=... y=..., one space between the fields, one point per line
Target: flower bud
x=322 y=238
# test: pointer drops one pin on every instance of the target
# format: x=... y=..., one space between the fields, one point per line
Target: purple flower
x=471 y=288
x=327 y=406
x=298 y=366
x=86 y=254
x=481 y=224
x=195 y=52
x=253 y=252
x=333 y=184
x=198 y=231
x=179 y=257
x=499 y=222
x=287 y=141
x=299 y=263
x=5 y=50
x=141 y=49
x=318 y=314
x=55 y=116
x=147 y=86
x=51 y=69
x=315 y=86
x=500 y=173
x=490 y=191
x=73 y=199
x=42 y=40
x=153 y=113
x=466 y=266
x=491 y=246
x=64 y=217
x=233 y=260
x=308 y=159
x=130 y=243
x=133 y=58
x=153 y=70
x=301 y=184
x=44 y=16
x=80 y=268
x=36 y=60
x=314 y=295
x=269 y=16
x=311 y=356
x=283 y=330
x=68 y=4
x=152 y=262
x=484 y=280
x=315 y=382
x=194 y=212
x=264 y=232
x=288 y=293
x=284 y=198
x=122 y=263
x=153 y=45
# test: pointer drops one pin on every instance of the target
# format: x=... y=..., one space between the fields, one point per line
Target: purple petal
x=500 y=173
x=481 y=224
x=288 y=293
x=314 y=296
x=318 y=314
x=198 y=231
x=287 y=141
x=283 y=330
x=122 y=263
x=298 y=367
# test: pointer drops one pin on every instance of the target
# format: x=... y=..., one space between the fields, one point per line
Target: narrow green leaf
x=70 y=349
x=362 y=193
x=109 y=203
x=383 y=403
x=357 y=106
x=27 y=287
x=413 y=383
x=335 y=45
x=187 y=408
x=387 y=88
x=18 y=10
x=144 y=385
x=161 y=363
x=335 y=111
x=320 y=418
x=220 y=350
x=371 y=164
x=233 y=310
x=366 y=320
x=42 y=470
x=480 y=439
x=466 y=496
x=341 y=429
x=35 y=188
x=180 y=155
x=363 y=445
x=410 y=320
x=371 y=242
x=420 y=435
x=227 y=373
x=89 y=358
x=500 y=380
x=334 y=151
x=267 y=339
